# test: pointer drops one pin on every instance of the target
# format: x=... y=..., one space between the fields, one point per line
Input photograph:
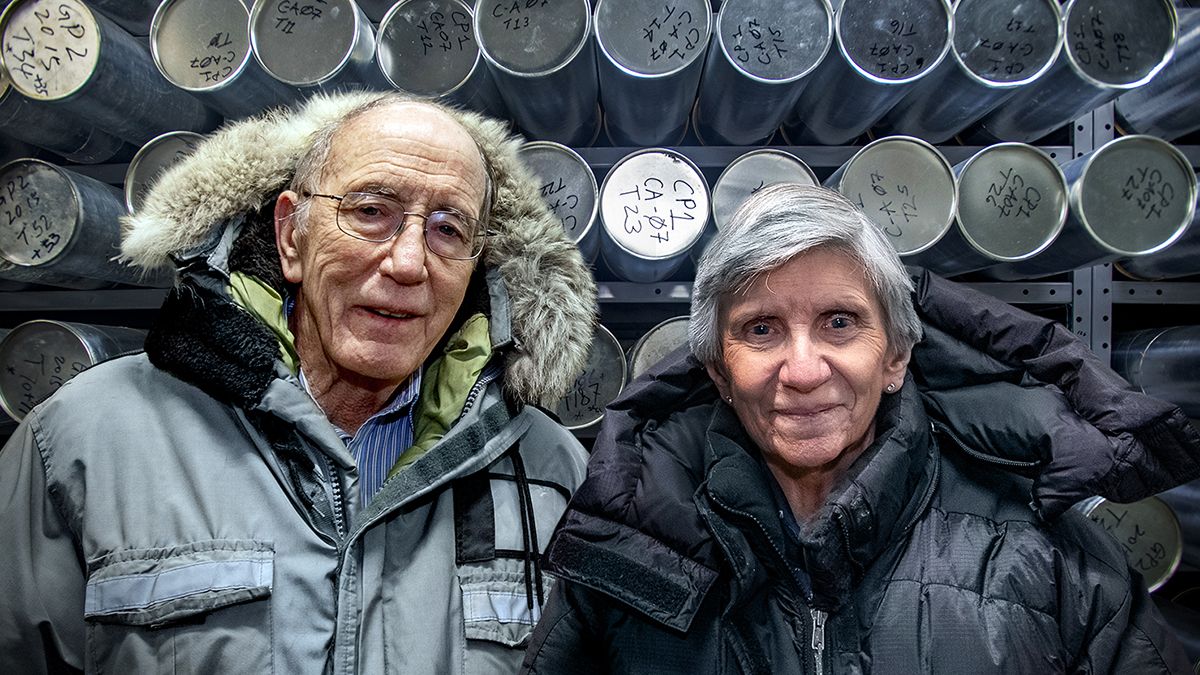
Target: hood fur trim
x=243 y=166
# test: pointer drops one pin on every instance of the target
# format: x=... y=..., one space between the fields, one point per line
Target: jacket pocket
x=192 y=608
x=496 y=603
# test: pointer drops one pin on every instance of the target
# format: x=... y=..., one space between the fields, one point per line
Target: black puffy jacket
x=948 y=547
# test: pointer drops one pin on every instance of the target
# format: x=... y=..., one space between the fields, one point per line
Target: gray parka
x=185 y=510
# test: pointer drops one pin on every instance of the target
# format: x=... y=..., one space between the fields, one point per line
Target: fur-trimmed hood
x=224 y=193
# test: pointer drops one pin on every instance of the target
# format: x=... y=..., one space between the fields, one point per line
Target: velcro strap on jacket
x=474 y=519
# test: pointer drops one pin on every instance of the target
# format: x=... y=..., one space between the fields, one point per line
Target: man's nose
x=805 y=366
x=406 y=255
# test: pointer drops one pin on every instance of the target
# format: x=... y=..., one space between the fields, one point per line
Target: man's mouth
x=391 y=315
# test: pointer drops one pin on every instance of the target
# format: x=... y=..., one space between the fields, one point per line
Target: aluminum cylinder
x=1146 y=530
x=203 y=47
x=132 y=15
x=327 y=45
x=1180 y=259
x=1168 y=106
x=56 y=130
x=750 y=173
x=42 y=355
x=428 y=48
x=151 y=160
x=744 y=176
x=543 y=61
x=63 y=224
x=884 y=47
x=1133 y=196
x=568 y=187
x=82 y=62
x=651 y=56
x=762 y=51
x=656 y=343
x=905 y=186
x=1162 y=362
x=1185 y=502
x=998 y=47
x=1012 y=205
x=1111 y=46
x=654 y=204
x=22 y=277
x=599 y=384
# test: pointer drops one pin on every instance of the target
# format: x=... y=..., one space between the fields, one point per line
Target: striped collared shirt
x=385 y=435
x=381 y=440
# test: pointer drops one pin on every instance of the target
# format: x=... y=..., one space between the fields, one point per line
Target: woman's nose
x=804 y=365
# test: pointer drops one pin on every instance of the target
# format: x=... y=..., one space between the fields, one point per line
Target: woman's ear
x=895 y=367
x=719 y=378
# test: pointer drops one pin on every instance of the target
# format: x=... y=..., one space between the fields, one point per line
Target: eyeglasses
x=375 y=217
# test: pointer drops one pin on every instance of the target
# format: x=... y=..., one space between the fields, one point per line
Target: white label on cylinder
x=51 y=47
x=654 y=204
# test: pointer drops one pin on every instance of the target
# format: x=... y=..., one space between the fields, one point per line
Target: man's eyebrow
x=377 y=189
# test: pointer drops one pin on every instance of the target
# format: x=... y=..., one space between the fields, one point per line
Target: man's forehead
x=405 y=121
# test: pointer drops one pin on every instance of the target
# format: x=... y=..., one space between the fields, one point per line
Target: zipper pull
x=818 y=638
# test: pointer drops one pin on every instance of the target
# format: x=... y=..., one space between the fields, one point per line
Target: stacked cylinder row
x=636 y=72
x=1008 y=211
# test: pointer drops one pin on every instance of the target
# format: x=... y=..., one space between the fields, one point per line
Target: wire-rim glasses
x=376 y=217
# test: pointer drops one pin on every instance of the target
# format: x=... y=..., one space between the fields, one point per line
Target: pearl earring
x=891 y=387
x=729 y=400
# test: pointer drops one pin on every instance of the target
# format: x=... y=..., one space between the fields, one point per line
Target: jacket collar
x=871 y=508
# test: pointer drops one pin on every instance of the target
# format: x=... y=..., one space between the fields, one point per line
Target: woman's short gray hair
x=779 y=223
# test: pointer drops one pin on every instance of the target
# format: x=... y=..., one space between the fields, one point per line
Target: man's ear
x=287 y=238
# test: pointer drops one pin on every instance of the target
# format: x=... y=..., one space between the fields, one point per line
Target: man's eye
x=369 y=207
x=448 y=224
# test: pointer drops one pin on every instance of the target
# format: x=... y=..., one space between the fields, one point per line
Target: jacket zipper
x=485 y=378
x=989 y=459
x=817 y=642
x=335 y=486
x=818 y=638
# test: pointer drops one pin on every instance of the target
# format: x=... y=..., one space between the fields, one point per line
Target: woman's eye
x=840 y=321
x=760 y=329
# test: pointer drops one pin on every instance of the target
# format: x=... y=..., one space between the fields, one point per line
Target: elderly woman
x=811 y=493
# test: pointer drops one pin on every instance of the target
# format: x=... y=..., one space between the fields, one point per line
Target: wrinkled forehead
x=412 y=128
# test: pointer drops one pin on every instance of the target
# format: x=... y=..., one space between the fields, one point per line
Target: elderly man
x=327 y=459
